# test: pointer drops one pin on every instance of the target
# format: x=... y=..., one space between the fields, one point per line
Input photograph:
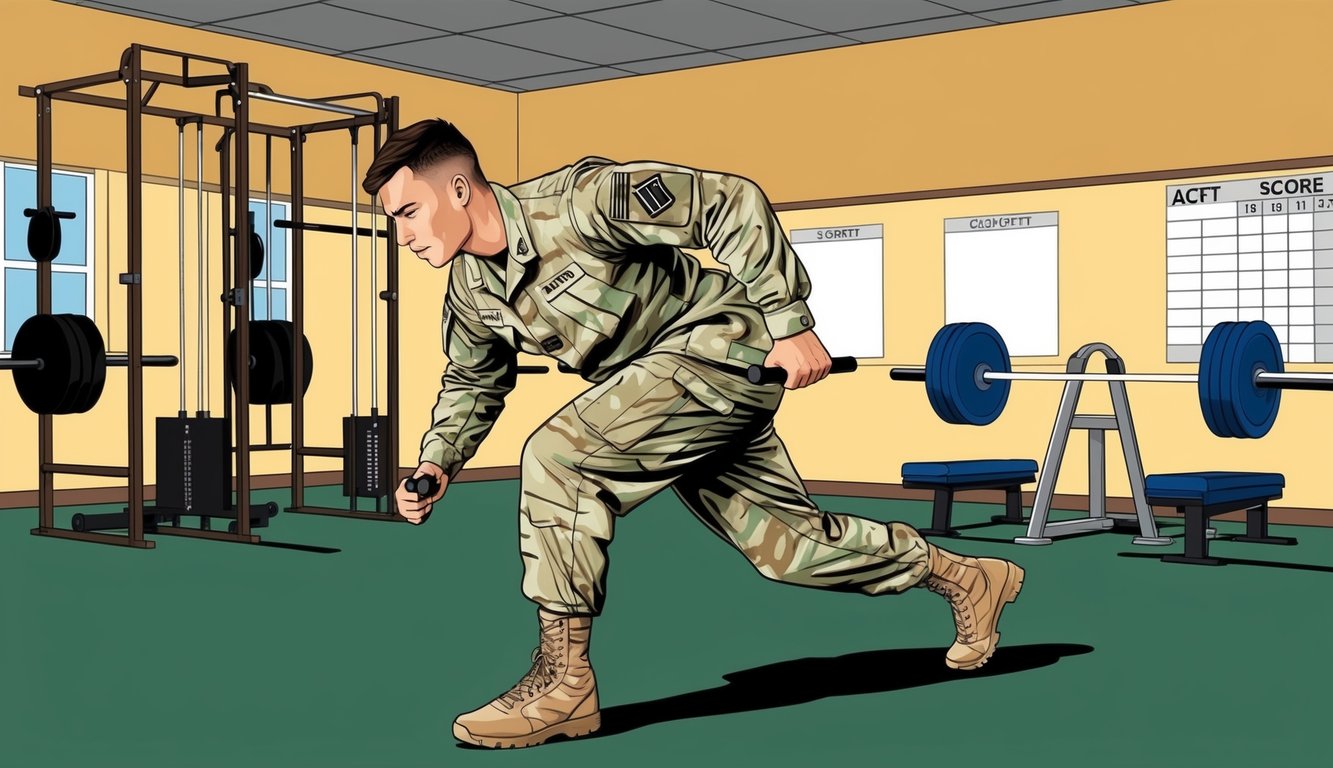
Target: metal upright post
x=133 y=288
x=298 y=319
x=391 y=326
x=241 y=267
x=46 y=497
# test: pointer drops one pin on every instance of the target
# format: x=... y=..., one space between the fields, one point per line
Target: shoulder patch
x=651 y=197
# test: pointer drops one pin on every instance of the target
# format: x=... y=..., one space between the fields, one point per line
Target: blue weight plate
x=1213 y=394
x=937 y=375
x=977 y=403
x=1255 y=347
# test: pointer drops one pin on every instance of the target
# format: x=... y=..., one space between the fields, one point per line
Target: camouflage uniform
x=594 y=277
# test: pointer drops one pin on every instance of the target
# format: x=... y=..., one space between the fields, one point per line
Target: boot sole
x=572 y=729
x=1013 y=584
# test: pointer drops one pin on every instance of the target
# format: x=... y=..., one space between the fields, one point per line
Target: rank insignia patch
x=653 y=195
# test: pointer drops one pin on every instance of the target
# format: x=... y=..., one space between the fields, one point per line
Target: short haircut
x=420 y=146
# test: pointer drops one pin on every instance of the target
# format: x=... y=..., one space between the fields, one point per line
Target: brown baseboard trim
x=888 y=491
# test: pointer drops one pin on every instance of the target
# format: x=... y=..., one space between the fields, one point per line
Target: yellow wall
x=92 y=41
x=1139 y=89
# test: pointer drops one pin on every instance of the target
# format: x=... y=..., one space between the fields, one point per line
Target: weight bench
x=1199 y=496
x=947 y=477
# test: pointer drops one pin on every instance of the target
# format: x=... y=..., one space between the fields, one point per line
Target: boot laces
x=545 y=663
x=962 y=607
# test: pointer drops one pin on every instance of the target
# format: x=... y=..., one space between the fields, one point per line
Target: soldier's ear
x=462 y=188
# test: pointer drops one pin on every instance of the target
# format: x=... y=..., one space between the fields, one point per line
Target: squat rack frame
x=236 y=83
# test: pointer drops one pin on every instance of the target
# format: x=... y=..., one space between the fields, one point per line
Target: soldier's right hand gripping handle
x=424 y=486
x=759 y=374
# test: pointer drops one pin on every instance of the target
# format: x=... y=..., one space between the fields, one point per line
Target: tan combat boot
x=557 y=697
x=978 y=589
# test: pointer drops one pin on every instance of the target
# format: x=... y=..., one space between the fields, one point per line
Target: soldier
x=585 y=265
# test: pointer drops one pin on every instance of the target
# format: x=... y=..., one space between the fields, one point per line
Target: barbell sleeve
x=1311 y=381
x=149 y=361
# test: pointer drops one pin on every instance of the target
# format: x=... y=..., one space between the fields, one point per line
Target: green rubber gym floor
x=200 y=654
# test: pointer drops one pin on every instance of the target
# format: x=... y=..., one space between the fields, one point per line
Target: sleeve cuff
x=789 y=321
x=442 y=455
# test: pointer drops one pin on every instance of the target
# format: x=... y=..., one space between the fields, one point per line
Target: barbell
x=60 y=362
x=1240 y=378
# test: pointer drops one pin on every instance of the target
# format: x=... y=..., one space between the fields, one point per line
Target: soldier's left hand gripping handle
x=759 y=374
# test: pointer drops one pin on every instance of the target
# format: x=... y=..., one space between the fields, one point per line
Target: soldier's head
x=425 y=176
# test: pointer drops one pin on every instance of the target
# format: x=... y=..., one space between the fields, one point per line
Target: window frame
x=88 y=268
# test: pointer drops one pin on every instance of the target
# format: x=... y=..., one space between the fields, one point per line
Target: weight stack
x=365 y=472
x=193 y=465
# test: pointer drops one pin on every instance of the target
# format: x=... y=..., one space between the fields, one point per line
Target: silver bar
x=355 y=336
x=1294 y=380
x=10 y=364
x=268 y=223
x=374 y=307
x=1158 y=377
x=295 y=102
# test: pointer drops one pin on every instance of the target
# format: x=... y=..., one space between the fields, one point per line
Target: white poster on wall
x=1003 y=270
x=846 y=269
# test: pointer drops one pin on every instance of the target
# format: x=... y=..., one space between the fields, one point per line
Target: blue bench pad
x=1209 y=488
x=969 y=471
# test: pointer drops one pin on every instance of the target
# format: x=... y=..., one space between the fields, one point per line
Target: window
x=275 y=293
x=72 y=270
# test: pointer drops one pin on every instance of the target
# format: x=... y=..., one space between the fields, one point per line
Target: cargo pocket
x=638 y=400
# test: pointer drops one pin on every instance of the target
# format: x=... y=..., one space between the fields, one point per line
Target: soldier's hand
x=411 y=506
x=803 y=357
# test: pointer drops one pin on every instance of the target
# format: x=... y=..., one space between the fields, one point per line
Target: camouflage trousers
x=668 y=421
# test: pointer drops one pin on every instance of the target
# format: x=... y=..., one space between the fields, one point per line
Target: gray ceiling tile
x=687 y=61
x=1053 y=8
x=844 y=14
x=972 y=6
x=331 y=27
x=585 y=40
x=579 y=6
x=782 y=47
x=700 y=23
x=197 y=10
x=915 y=28
x=451 y=15
x=266 y=38
x=566 y=78
x=411 y=68
x=471 y=57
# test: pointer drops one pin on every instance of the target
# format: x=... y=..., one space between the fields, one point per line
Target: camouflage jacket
x=594 y=276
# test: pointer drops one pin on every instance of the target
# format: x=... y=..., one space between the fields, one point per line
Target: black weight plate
x=256 y=255
x=80 y=370
x=263 y=381
x=284 y=334
x=44 y=235
x=43 y=337
x=93 y=375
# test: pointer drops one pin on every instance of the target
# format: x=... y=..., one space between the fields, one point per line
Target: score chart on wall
x=1253 y=249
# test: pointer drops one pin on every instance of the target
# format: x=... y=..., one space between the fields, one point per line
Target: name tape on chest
x=562 y=281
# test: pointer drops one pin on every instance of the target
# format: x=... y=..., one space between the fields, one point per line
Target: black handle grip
x=758 y=374
x=30 y=212
x=424 y=486
x=533 y=369
x=907 y=374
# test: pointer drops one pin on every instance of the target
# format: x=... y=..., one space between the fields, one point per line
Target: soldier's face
x=431 y=220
